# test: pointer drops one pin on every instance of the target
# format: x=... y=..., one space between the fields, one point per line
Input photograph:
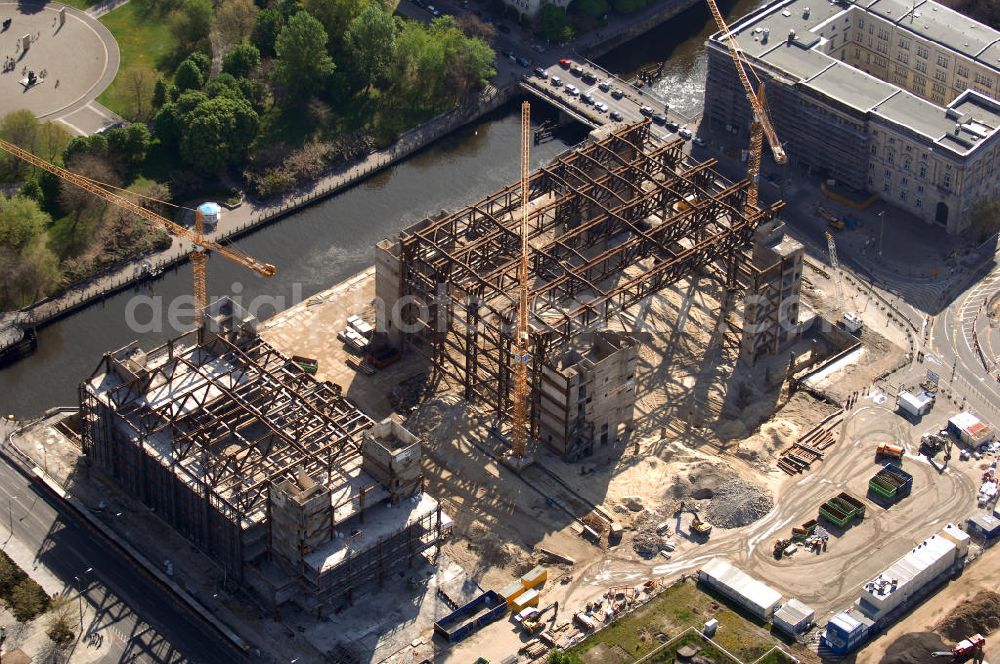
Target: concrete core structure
x=588 y=395
x=885 y=96
x=771 y=311
x=274 y=475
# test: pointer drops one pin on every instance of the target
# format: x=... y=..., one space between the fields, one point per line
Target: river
x=328 y=242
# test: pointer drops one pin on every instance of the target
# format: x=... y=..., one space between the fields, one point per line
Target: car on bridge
x=672 y=126
x=576 y=70
x=556 y=81
x=660 y=119
x=601 y=106
x=604 y=86
x=572 y=90
x=589 y=77
x=699 y=141
x=646 y=111
x=541 y=73
x=684 y=133
x=587 y=98
x=565 y=63
x=617 y=94
x=616 y=116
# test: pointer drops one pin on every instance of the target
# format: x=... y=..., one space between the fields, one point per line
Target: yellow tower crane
x=197 y=236
x=761 y=125
x=519 y=430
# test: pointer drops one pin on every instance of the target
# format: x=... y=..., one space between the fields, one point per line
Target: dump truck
x=890 y=450
x=973 y=645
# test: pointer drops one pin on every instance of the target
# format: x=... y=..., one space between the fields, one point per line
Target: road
x=127 y=602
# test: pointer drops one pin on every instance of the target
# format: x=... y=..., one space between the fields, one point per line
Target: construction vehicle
x=533 y=623
x=890 y=450
x=201 y=246
x=698 y=526
x=780 y=546
x=761 y=125
x=974 y=645
x=932 y=443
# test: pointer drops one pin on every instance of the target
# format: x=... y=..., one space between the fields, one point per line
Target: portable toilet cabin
x=210 y=214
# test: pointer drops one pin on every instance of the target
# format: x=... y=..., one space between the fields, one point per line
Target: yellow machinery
x=761 y=125
x=197 y=238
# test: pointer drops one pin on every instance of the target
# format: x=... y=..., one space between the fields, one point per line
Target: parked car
x=576 y=70
x=556 y=81
x=564 y=63
x=601 y=106
x=587 y=98
x=604 y=86
x=572 y=90
x=617 y=94
x=541 y=73
x=684 y=133
x=660 y=119
x=672 y=126
x=646 y=111
x=616 y=116
x=524 y=62
x=589 y=77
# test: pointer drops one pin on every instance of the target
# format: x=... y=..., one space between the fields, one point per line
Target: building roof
x=741 y=583
x=783 y=37
x=794 y=612
x=985 y=522
x=924 y=555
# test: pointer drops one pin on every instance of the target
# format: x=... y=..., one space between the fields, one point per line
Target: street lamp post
x=79 y=588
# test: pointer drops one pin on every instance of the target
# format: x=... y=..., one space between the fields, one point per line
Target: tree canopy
x=371 y=41
x=302 y=65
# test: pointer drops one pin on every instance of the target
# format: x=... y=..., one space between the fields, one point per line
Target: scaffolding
x=609 y=224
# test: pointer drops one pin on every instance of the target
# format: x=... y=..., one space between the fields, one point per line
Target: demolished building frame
x=624 y=206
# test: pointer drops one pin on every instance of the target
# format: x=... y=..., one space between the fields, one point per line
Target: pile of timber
x=810 y=447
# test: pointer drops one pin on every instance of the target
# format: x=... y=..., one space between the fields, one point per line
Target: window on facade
x=903 y=57
x=920 y=188
x=938 y=89
x=861 y=23
x=874 y=149
x=921 y=51
x=962 y=71
x=906 y=164
x=946 y=181
x=941 y=75
x=888 y=174
x=923 y=170
x=886 y=187
x=883 y=34
x=857 y=54
x=920 y=203
x=881 y=48
x=960 y=85
x=902 y=195
x=984 y=80
x=942 y=60
x=901 y=71
x=920 y=67
x=904 y=182
x=904 y=43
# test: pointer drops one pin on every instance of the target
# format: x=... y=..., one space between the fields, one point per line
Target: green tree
x=335 y=15
x=192 y=23
x=139 y=81
x=303 y=64
x=984 y=219
x=10 y=573
x=47 y=140
x=131 y=142
x=217 y=132
x=266 y=30
x=59 y=623
x=21 y=221
x=27 y=599
x=241 y=61
x=188 y=76
x=371 y=42
x=159 y=94
x=553 y=25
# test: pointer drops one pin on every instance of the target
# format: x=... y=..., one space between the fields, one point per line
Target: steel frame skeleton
x=609 y=224
x=245 y=415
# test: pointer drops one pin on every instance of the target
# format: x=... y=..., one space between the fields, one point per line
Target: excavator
x=533 y=623
x=932 y=443
x=973 y=646
x=698 y=526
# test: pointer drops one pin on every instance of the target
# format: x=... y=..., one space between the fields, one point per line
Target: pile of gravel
x=737 y=503
x=647 y=543
x=915 y=648
x=979 y=615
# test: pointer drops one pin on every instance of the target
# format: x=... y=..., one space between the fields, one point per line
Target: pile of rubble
x=737 y=503
x=652 y=534
x=978 y=615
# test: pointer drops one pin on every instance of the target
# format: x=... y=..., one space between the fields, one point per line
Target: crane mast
x=199 y=256
x=761 y=126
x=519 y=429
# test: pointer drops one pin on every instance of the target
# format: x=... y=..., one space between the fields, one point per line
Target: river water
x=332 y=240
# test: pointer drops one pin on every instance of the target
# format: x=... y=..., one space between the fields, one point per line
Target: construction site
x=558 y=403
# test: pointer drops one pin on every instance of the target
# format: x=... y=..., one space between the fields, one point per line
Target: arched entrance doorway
x=941 y=214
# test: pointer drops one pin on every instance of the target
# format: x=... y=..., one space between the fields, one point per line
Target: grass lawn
x=673 y=611
x=79 y=4
x=143 y=40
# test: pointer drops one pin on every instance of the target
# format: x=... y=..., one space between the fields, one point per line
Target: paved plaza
x=74 y=62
